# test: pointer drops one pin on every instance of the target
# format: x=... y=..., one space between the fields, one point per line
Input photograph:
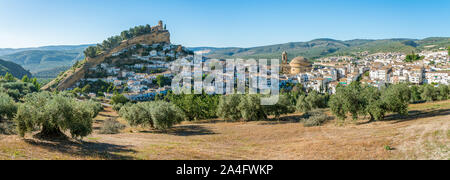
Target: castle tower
x=160 y=24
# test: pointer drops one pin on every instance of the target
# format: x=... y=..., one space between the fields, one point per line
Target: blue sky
x=220 y=23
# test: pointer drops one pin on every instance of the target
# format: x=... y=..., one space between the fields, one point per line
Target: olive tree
x=159 y=115
x=428 y=93
x=397 y=98
x=93 y=107
x=357 y=100
x=337 y=106
x=117 y=107
x=251 y=108
x=196 y=106
x=8 y=107
x=347 y=100
x=303 y=105
x=415 y=94
x=119 y=98
x=53 y=114
x=17 y=89
x=137 y=114
x=311 y=101
x=228 y=108
x=372 y=103
x=443 y=92
x=282 y=107
x=165 y=115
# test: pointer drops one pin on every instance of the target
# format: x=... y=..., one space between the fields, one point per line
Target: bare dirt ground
x=424 y=134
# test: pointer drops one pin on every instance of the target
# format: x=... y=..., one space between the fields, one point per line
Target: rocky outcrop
x=70 y=77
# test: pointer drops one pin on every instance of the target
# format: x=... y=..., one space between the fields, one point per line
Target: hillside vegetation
x=51 y=73
x=13 y=68
x=328 y=47
x=52 y=59
x=40 y=60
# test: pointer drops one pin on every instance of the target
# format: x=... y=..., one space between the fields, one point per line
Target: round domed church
x=300 y=65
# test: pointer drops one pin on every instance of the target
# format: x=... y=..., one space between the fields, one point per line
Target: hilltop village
x=377 y=70
x=150 y=75
x=142 y=72
x=139 y=69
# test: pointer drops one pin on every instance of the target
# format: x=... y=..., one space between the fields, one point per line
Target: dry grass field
x=424 y=134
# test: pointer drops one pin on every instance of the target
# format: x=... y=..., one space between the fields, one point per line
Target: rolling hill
x=326 y=47
x=44 y=58
x=13 y=68
x=6 y=51
x=51 y=73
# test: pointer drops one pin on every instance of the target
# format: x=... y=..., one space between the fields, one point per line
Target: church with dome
x=297 y=65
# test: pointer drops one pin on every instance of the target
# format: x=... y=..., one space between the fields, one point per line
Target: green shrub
x=158 y=114
x=117 y=107
x=251 y=108
x=196 y=106
x=18 y=89
x=111 y=127
x=311 y=101
x=68 y=94
x=119 y=98
x=165 y=115
x=137 y=114
x=94 y=107
x=228 y=108
x=8 y=107
x=315 y=118
x=282 y=107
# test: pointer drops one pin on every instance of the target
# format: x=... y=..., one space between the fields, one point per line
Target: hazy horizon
x=50 y=45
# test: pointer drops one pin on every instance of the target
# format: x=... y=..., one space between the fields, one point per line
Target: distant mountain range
x=44 y=58
x=326 y=47
x=6 y=51
x=13 y=68
x=49 y=61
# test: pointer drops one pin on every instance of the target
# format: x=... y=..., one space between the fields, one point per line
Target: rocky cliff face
x=72 y=76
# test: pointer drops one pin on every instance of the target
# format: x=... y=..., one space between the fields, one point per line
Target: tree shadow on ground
x=415 y=114
x=284 y=120
x=209 y=121
x=187 y=130
x=85 y=149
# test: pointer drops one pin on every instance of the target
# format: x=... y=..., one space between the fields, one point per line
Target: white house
x=439 y=77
